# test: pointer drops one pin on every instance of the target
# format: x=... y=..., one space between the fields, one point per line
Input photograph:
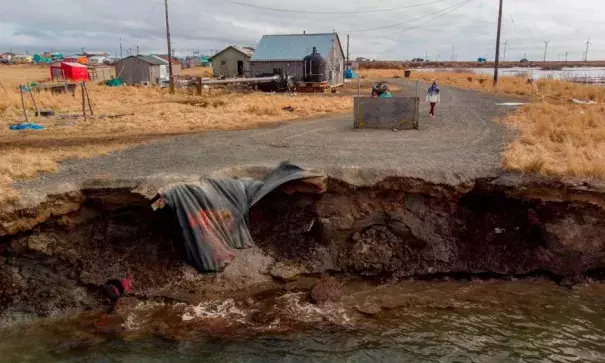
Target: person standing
x=433 y=96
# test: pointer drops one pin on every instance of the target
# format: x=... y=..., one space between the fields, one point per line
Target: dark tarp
x=212 y=215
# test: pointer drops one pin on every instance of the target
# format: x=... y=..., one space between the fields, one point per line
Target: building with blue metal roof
x=286 y=52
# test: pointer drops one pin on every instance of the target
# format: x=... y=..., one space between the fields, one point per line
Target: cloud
x=468 y=32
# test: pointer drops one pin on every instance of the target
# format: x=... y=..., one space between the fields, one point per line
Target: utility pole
x=169 y=49
x=497 y=60
x=545 y=48
x=586 y=53
x=566 y=54
x=121 y=54
x=453 y=50
x=138 y=50
x=505 y=46
x=348 y=51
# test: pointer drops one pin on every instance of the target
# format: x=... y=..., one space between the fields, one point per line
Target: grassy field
x=557 y=138
x=127 y=116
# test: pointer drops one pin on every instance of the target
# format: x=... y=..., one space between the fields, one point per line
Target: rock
x=368 y=309
x=125 y=306
x=287 y=271
x=328 y=289
x=40 y=243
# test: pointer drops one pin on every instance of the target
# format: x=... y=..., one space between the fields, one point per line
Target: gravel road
x=461 y=143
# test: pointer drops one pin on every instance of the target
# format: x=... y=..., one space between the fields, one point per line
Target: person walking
x=433 y=96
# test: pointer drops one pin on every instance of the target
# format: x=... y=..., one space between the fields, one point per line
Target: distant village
x=287 y=53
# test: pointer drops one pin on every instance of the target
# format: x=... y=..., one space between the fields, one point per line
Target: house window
x=224 y=63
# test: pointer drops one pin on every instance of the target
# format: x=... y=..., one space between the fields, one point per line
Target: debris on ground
x=212 y=215
x=288 y=108
x=48 y=113
x=26 y=126
x=583 y=102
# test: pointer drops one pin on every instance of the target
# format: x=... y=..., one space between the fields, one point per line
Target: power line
x=330 y=12
x=456 y=7
x=453 y=7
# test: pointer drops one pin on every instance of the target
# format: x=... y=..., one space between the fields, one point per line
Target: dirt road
x=462 y=143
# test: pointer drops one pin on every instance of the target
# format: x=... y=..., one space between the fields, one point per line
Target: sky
x=437 y=29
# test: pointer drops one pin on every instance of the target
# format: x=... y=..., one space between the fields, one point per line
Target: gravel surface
x=458 y=145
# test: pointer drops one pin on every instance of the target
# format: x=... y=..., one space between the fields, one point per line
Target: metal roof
x=293 y=47
x=247 y=51
x=156 y=61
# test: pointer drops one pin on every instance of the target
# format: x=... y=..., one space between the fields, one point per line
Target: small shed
x=97 y=60
x=140 y=69
x=22 y=58
x=176 y=65
x=6 y=57
x=287 y=52
x=101 y=73
x=68 y=70
x=232 y=61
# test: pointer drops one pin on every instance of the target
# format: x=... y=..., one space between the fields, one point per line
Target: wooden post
x=83 y=101
x=88 y=98
x=170 y=75
x=34 y=101
x=65 y=82
x=23 y=103
x=417 y=113
x=199 y=86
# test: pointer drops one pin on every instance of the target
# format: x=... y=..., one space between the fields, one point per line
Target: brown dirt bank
x=56 y=253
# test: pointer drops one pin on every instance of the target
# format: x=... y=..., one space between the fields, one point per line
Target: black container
x=314 y=67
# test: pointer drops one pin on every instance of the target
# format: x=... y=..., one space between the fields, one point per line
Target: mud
x=54 y=255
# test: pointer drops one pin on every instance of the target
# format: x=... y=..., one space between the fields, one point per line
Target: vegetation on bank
x=556 y=138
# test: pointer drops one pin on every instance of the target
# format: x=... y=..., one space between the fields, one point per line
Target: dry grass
x=556 y=138
x=197 y=72
x=147 y=113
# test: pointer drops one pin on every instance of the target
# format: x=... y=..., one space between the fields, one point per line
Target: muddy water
x=480 y=321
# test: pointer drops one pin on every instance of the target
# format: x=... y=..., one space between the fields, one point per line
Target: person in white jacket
x=433 y=96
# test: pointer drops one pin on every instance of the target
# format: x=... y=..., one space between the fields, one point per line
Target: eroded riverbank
x=58 y=252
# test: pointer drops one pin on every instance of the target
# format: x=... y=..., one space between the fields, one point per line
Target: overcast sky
x=468 y=31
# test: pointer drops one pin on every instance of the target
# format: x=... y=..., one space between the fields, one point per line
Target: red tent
x=68 y=70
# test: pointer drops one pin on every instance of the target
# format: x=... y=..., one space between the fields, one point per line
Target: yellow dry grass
x=205 y=72
x=557 y=138
x=145 y=114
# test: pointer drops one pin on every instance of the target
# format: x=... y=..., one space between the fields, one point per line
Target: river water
x=415 y=321
x=568 y=73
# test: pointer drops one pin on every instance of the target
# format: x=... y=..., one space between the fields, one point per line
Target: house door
x=240 y=68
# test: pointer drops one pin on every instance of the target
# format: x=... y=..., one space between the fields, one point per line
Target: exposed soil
x=54 y=257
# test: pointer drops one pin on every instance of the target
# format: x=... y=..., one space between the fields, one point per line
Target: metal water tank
x=314 y=67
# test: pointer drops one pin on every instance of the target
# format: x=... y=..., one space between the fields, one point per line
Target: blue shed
x=287 y=51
